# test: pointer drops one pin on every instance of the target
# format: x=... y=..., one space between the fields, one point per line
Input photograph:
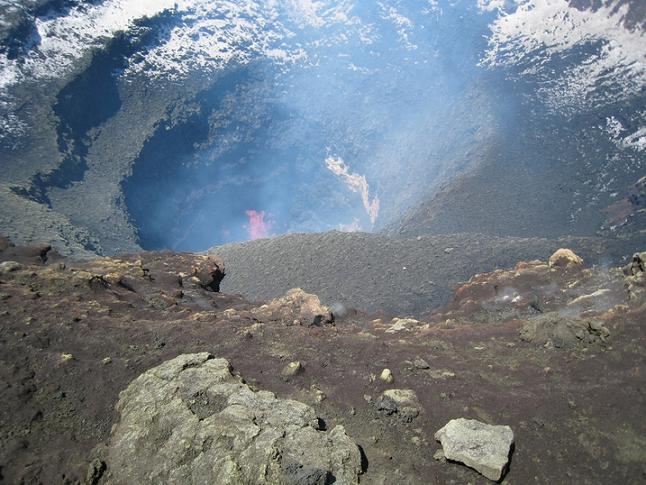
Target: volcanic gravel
x=373 y=272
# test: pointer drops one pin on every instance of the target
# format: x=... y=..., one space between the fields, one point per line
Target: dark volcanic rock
x=210 y=272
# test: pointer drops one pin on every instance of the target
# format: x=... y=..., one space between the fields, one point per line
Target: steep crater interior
x=236 y=163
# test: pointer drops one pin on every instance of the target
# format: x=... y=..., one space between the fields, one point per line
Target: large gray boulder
x=483 y=447
x=190 y=421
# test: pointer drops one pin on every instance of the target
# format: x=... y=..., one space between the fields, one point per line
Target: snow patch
x=538 y=36
x=616 y=130
x=403 y=25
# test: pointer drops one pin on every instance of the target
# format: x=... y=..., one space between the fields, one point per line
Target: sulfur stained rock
x=296 y=306
x=403 y=324
x=564 y=258
x=189 y=420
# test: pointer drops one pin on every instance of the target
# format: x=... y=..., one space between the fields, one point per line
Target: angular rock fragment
x=210 y=272
x=190 y=420
x=403 y=324
x=387 y=376
x=292 y=369
x=296 y=306
x=483 y=447
x=404 y=402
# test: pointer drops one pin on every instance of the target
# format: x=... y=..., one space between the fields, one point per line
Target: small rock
x=106 y=361
x=483 y=447
x=10 y=266
x=210 y=272
x=420 y=363
x=564 y=258
x=297 y=307
x=441 y=374
x=598 y=328
x=319 y=395
x=403 y=324
x=387 y=405
x=401 y=401
x=387 y=376
x=292 y=369
x=65 y=357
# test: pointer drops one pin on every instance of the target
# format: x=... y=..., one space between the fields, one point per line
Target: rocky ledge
x=547 y=355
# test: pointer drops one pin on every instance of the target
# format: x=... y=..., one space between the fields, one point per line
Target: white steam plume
x=356 y=183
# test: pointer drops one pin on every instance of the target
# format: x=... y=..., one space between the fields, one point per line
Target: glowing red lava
x=258 y=227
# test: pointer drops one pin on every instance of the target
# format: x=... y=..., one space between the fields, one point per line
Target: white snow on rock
x=207 y=36
x=610 y=57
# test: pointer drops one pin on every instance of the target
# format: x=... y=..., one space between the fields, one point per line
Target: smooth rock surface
x=189 y=420
x=483 y=447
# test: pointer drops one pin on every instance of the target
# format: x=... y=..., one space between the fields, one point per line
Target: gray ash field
x=373 y=272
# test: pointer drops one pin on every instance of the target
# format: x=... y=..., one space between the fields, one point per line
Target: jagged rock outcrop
x=635 y=276
x=535 y=288
x=189 y=420
x=555 y=330
x=210 y=272
x=483 y=447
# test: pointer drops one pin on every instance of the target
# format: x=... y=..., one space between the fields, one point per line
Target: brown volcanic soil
x=577 y=413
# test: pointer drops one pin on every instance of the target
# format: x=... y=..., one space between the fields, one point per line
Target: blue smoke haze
x=406 y=111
